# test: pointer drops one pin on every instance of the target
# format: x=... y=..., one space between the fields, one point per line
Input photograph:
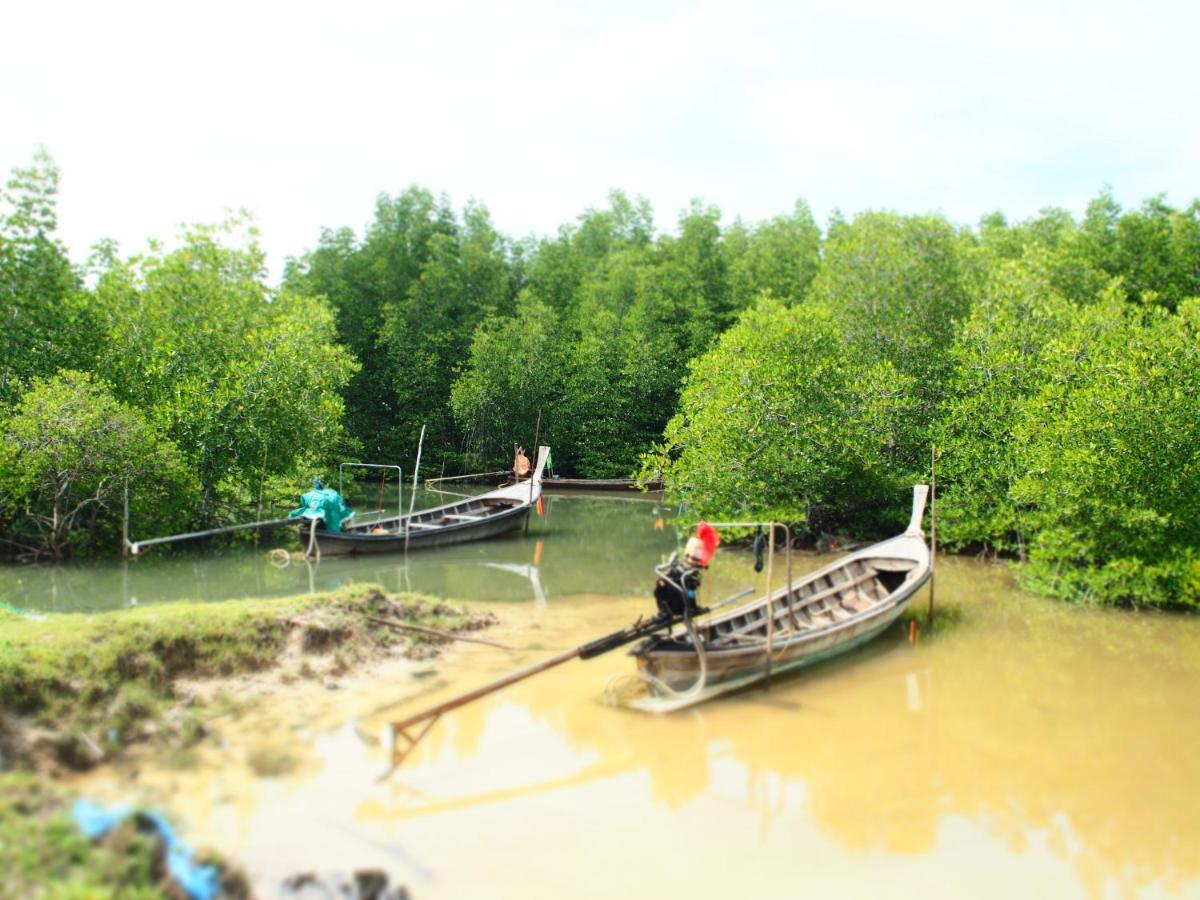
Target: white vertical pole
x=416 y=474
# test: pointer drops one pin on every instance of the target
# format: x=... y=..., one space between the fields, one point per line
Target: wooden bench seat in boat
x=803 y=603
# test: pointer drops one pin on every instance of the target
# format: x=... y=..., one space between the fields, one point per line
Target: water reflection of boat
x=826 y=613
x=475 y=518
x=524 y=570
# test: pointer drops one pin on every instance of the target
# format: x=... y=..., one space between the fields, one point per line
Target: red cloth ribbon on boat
x=707 y=539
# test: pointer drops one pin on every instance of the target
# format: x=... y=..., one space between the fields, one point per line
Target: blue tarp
x=325 y=504
x=198 y=882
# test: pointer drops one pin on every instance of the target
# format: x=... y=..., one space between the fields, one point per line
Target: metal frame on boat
x=471 y=519
x=828 y=612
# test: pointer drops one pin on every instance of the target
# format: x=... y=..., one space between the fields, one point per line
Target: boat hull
x=728 y=672
x=347 y=542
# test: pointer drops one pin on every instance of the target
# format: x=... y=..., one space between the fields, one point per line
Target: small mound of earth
x=364 y=884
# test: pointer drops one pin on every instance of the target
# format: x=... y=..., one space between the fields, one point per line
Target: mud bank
x=80 y=690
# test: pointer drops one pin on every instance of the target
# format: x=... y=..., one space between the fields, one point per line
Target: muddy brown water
x=1026 y=748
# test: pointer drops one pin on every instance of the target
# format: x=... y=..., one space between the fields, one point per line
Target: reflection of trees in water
x=1034 y=718
x=1030 y=719
x=191 y=574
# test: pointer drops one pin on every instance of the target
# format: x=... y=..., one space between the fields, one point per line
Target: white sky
x=159 y=113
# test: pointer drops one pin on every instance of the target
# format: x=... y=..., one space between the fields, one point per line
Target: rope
x=657 y=684
x=279 y=558
x=447 y=493
x=660 y=687
x=312 y=542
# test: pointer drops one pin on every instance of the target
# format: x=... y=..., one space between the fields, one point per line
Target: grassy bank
x=77 y=689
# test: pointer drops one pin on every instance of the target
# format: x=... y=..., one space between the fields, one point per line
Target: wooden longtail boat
x=551 y=485
x=472 y=519
x=834 y=609
x=601 y=484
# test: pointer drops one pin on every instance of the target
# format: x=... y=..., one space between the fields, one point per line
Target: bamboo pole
x=125 y=522
x=436 y=632
x=262 y=480
x=601 y=645
x=412 y=501
x=932 y=529
x=490 y=688
x=136 y=547
x=787 y=536
x=431 y=716
x=770 y=599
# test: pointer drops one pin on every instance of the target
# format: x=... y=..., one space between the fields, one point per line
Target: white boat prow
x=521 y=491
x=920 y=495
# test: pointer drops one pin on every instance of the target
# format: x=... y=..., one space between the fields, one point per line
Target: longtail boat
x=602 y=484
x=554 y=484
x=475 y=518
x=821 y=615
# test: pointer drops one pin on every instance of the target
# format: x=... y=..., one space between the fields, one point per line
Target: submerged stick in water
x=436 y=632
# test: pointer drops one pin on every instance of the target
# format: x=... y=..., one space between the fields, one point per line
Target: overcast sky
x=159 y=113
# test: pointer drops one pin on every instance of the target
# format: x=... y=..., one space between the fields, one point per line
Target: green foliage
x=46 y=320
x=426 y=333
x=244 y=380
x=510 y=359
x=407 y=299
x=782 y=420
x=1112 y=481
x=1064 y=254
x=1154 y=249
x=779 y=256
x=899 y=285
x=1071 y=436
x=1001 y=362
x=66 y=454
x=630 y=309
